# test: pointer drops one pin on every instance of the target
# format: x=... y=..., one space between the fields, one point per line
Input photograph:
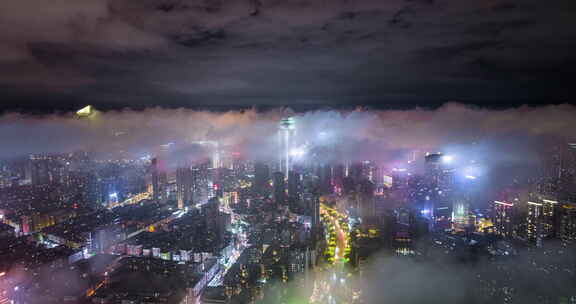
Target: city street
x=333 y=281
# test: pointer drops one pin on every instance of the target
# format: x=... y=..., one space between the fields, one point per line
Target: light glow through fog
x=298 y=152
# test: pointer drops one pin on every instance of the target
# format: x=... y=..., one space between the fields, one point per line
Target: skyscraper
x=432 y=167
x=440 y=183
x=534 y=223
x=279 y=188
x=559 y=172
x=325 y=178
x=156 y=191
x=540 y=221
x=463 y=194
x=503 y=217
x=365 y=199
x=294 y=186
x=159 y=180
x=567 y=173
x=550 y=209
x=567 y=222
x=287 y=126
x=261 y=177
x=357 y=172
x=184 y=184
x=203 y=187
x=460 y=209
x=43 y=170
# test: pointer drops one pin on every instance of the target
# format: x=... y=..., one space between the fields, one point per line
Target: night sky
x=59 y=55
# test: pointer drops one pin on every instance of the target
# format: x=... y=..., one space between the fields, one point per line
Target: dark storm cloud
x=246 y=52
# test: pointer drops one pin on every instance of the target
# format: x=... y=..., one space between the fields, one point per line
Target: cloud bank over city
x=512 y=136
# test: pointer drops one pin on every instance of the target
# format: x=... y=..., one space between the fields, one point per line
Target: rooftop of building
x=21 y=252
x=217 y=293
x=5 y=228
x=53 y=285
x=143 y=279
x=75 y=229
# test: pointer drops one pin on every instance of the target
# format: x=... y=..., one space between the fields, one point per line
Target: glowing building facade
x=287 y=129
x=460 y=211
x=440 y=183
x=540 y=221
x=567 y=222
x=503 y=218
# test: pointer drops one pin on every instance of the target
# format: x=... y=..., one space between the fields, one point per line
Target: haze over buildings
x=287 y=151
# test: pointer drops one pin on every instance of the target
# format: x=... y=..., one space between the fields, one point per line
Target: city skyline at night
x=287 y=152
x=313 y=207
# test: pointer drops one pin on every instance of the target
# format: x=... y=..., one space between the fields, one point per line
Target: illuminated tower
x=439 y=180
x=460 y=209
x=433 y=167
x=540 y=220
x=287 y=126
x=216 y=159
x=463 y=196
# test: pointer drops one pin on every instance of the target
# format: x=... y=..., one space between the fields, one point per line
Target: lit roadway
x=332 y=285
x=240 y=236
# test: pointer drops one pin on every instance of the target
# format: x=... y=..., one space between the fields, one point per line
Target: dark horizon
x=65 y=107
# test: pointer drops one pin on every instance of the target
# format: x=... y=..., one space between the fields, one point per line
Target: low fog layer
x=497 y=135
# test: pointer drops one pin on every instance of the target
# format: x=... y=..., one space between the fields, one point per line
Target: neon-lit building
x=440 y=182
